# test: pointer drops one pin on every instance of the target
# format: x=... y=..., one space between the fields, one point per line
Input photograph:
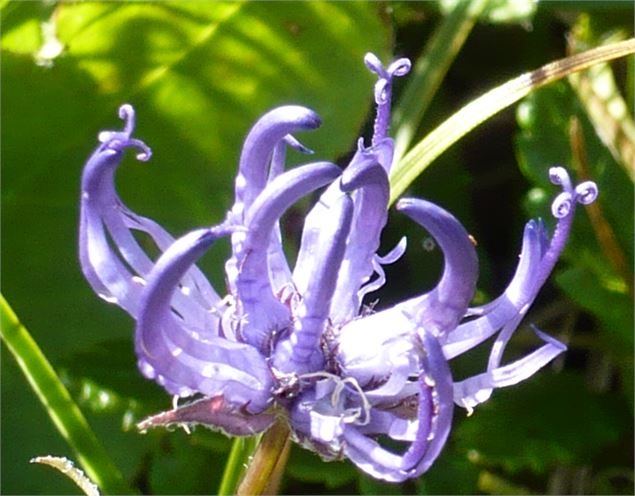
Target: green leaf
x=307 y=467
x=180 y=467
x=65 y=414
x=110 y=367
x=570 y=425
x=501 y=11
x=452 y=473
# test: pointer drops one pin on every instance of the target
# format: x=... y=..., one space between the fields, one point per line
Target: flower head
x=299 y=342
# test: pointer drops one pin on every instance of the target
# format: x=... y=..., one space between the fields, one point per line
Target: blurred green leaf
x=570 y=425
x=110 y=367
x=501 y=11
x=452 y=474
x=179 y=467
x=309 y=468
x=613 y=307
x=56 y=400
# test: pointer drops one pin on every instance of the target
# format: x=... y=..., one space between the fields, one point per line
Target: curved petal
x=474 y=390
x=257 y=150
x=434 y=419
x=538 y=257
x=516 y=298
x=279 y=271
x=176 y=356
x=112 y=260
x=258 y=162
x=301 y=352
x=537 y=261
x=369 y=181
x=440 y=310
x=261 y=313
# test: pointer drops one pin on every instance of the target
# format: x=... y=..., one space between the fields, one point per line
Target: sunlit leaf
x=501 y=11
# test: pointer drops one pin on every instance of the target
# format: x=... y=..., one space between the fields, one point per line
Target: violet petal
x=176 y=356
x=261 y=312
x=440 y=310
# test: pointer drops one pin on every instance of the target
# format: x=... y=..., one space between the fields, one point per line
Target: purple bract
x=300 y=342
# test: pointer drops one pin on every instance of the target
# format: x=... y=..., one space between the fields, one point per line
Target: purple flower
x=299 y=342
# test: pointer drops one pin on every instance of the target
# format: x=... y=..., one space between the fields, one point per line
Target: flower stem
x=265 y=470
x=242 y=450
x=64 y=413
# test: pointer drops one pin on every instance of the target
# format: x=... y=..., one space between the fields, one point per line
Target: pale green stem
x=267 y=461
x=489 y=104
x=430 y=69
x=239 y=457
x=67 y=417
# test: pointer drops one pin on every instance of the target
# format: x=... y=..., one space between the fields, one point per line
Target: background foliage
x=199 y=74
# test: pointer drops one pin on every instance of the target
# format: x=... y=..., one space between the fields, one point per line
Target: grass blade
x=489 y=104
x=65 y=414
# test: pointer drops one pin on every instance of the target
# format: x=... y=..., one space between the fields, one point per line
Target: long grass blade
x=489 y=104
x=65 y=414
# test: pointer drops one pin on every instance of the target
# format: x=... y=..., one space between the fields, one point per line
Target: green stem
x=430 y=69
x=242 y=449
x=64 y=413
x=268 y=460
x=489 y=104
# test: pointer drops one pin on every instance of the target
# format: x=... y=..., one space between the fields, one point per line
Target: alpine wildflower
x=300 y=343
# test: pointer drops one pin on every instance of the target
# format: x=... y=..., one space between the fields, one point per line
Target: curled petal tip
x=127 y=114
x=374 y=64
x=562 y=205
x=558 y=175
x=400 y=67
x=586 y=192
x=145 y=153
